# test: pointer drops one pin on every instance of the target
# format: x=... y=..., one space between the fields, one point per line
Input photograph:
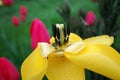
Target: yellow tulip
x=65 y=59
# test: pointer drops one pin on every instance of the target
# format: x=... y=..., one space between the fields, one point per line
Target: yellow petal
x=104 y=39
x=60 y=68
x=102 y=59
x=76 y=47
x=46 y=49
x=72 y=38
x=34 y=67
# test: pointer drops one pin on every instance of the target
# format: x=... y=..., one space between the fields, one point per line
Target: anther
x=54 y=30
x=58 y=33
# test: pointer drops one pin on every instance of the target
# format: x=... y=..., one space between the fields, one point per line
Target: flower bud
x=38 y=33
x=15 y=21
x=7 y=2
x=90 y=18
x=23 y=10
x=7 y=70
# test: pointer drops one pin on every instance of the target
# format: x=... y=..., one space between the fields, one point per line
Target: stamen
x=65 y=34
x=54 y=30
x=61 y=34
x=57 y=33
x=67 y=38
x=68 y=29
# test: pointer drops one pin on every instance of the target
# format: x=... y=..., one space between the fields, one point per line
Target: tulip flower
x=90 y=18
x=7 y=2
x=22 y=18
x=67 y=56
x=7 y=70
x=38 y=33
x=23 y=10
x=15 y=21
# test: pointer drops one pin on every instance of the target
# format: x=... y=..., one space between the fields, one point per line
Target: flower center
x=61 y=34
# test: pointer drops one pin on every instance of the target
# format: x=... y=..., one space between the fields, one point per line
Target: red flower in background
x=7 y=70
x=90 y=18
x=7 y=2
x=38 y=33
x=22 y=18
x=23 y=10
x=15 y=21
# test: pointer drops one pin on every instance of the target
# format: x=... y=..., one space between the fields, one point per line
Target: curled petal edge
x=101 y=59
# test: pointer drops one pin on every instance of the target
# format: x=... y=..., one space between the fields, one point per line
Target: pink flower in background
x=7 y=2
x=22 y=18
x=15 y=21
x=38 y=33
x=90 y=18
x=23 y=10
x=7 y=70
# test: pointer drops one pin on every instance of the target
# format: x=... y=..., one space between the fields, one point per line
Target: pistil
x=61 y=34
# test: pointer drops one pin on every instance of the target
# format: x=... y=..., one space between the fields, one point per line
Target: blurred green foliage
x=15 y=41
